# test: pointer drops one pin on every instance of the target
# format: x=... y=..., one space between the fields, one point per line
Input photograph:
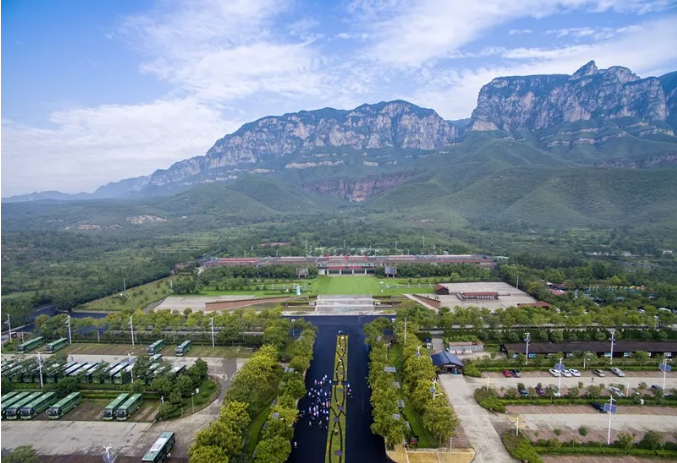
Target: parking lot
x=71 y=435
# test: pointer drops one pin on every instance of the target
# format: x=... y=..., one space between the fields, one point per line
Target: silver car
x=617 y=372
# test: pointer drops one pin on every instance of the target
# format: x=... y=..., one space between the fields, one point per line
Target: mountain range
x=548 y=134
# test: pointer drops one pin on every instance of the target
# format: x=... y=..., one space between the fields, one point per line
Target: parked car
x=507 y=373
x=599 y=373
x=554 y=372
x=540 y=391
x=598 y=407
x=655 y=386
x=523 y=392
x=617 y=392
x=567 y=373
x=575 y=372
x=516 y=373
x=617 y=372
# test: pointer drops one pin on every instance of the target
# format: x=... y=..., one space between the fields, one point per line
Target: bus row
x=118 y=373
x=59 y=344
x=122 y=407
x=26 y=405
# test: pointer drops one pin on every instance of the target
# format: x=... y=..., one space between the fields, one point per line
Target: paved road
x=65 y=437
x=476 y=421
x=361 y=444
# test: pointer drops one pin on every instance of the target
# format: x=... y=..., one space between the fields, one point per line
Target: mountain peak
x=588 y=69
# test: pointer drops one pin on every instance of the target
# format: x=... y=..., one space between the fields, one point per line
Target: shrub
x=583 y=431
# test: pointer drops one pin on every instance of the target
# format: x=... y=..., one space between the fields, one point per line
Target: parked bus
x=12 y=412
x=156 y=358
x=64 y=405
x=155 y=347
x=122 y=376
x=183 y=348
x=128 y=408
x=74 y=367
x=80 y=368
x=176 y=371
x=85 y=375
x=111 y=408
x=106 y=372
x=38 y=406
x=163 y=369
x=56 y=345
x=160 y=449
x=111 y=374
x=8 y=396
x=30 y=345
x=55 y=373
x=11 y=401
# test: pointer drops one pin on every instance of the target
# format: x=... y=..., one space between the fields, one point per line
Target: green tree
x=641 y=357
x=163 y=385
x=652 y=440
x=439 y=419
x=22 y=454
x=624 y=441
x=67 y=385
x=273 y=450
x=184 y=385
x=207 y=454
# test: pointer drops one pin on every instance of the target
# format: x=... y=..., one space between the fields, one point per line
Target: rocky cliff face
x=540 y=102
x=395 y=124
x=359 y=189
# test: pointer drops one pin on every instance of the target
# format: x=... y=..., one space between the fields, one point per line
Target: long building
x=351 y=265
x=621 y=348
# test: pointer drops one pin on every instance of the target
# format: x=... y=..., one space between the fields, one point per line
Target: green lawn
x=135 y=298
x=255 y=427
x=325 y=285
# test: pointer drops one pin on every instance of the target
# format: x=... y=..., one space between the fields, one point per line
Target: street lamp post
x=131 y=372
x=9 y=326
x=584 y=360
x=192 y=402
x=131 y=327
x=68 y=322
x=211 y=322
x=665 y=367
x=611 y=405
x=40 y=368
x=526 y=362
x=559 y=377
x=611 y=360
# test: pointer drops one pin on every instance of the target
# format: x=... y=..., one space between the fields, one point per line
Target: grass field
x=136 y=298
x=326 y=285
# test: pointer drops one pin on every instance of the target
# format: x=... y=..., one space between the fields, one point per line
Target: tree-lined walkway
x=337 y=416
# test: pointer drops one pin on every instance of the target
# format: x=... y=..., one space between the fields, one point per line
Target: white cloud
x=453 y=93
x=596 y=33
x=412 y=33
x=93 y=146
x=519 y=31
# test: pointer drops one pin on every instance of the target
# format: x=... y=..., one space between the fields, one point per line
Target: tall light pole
x=68 y=322
x=559 y=377
x=212 y=323
x=526 y=362
x=40 y=368
x=665 y=367
x=584 y=359
x=610 y=412
x=131 y=327
x=9 y=326
x=611 y=360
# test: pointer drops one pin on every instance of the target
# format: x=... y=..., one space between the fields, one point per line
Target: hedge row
x=604 y=450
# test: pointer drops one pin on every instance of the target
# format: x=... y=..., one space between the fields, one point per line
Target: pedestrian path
x=475 y=420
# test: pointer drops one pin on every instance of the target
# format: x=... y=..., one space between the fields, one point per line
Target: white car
x=617 y=392
x=575 y=372
x=554 y=372
x=567 y=373
x=617 y=372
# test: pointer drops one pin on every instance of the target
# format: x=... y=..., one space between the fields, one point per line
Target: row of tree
x=254 y=387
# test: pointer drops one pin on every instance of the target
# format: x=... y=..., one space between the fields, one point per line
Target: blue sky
x=94 y=92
